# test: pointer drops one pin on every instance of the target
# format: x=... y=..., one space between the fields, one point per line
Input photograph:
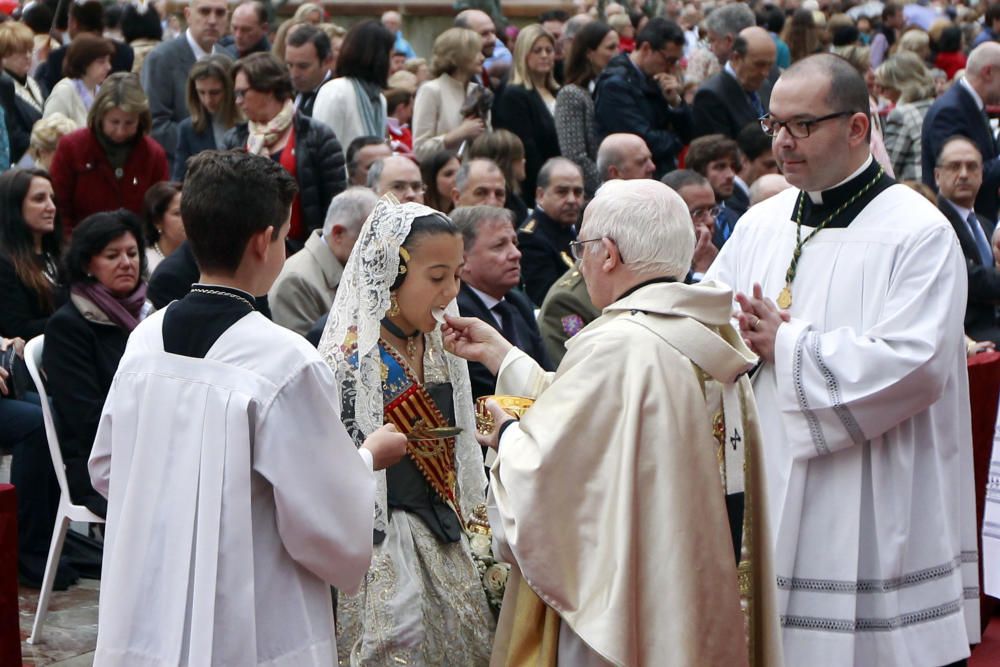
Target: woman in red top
x=949 y=56
x=112 y=162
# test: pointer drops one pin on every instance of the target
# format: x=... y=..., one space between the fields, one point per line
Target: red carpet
x=987 y=654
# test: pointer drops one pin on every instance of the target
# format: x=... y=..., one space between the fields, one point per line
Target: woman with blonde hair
x=20 y=95
x=110 y=163
x=916 y=41
x=441 y=119
x=45 y=136
x=309 y=12
x=527 y=105
x=904 y=80
x=212 y=105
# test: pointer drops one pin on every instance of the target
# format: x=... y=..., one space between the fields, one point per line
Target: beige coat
x=305 y=288
x=607 y=493
x=436 y=112
x=65 y=100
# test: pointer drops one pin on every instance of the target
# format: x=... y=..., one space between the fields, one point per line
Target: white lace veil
x=361 y=303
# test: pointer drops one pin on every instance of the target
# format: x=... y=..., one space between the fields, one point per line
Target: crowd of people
x=566 y=196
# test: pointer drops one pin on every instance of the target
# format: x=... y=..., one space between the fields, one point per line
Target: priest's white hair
x=648 y=221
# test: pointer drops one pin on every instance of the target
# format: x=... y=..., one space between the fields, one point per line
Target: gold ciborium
x=515 y=406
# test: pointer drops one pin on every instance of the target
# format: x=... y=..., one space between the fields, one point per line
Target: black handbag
x=18 y=379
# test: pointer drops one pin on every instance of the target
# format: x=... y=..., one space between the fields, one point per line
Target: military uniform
x=566 y=310
x=544 y=245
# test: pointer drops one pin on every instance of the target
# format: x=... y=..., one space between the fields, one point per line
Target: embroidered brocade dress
x=422 y=602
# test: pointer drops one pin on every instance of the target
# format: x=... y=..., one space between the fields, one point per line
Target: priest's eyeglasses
x=797 y=127
x=576 y=247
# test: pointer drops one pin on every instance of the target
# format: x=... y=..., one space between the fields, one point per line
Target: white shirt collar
x=817 y=197
x=199 y=52
x=972 y=91
x=742 y=185
x=728 y=69
x=964 y=212
x=487 y=300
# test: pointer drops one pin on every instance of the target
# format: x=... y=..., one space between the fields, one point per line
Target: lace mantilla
x=350 y=346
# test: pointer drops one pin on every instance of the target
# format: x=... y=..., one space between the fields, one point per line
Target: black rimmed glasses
x=799 y=128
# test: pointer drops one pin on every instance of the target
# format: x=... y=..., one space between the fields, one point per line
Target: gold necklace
x=785 y=297
x=411 y=340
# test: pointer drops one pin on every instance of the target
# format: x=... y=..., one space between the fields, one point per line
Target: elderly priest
x=643 y=451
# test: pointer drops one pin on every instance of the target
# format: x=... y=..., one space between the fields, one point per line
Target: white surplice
x=991 y=522
x=867 y=434
x=235 y=499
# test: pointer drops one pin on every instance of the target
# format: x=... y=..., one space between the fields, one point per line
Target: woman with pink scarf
x=85 y=338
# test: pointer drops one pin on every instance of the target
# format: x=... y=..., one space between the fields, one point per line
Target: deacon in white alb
x=235 y=495
x=863 y=390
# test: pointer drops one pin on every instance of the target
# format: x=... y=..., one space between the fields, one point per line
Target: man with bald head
x=852 y=291
x=399 y=175
x=766 y=187
x=624 y=156
x=479 y=182
x=545 y=236
x=737 y=95
x=393 y=22
x=496 y=57
x=249 y=30
x=961 y=110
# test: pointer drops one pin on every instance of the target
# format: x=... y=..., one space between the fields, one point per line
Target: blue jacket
x=626 y=100
x=190 y=142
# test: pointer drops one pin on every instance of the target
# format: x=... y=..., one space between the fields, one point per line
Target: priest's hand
x=759 y=322
x=475 y=340
x=387 y=446
x=500 y=417
x=4 y=391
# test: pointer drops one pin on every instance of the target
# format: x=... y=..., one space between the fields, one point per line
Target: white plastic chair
x=67 y=510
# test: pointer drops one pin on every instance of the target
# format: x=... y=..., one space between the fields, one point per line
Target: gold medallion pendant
x=785 y=298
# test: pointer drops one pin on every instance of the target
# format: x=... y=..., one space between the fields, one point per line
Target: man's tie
x=755 y=103
x=985 y=250
x=506 y=313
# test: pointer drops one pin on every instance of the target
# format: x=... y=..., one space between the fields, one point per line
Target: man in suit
x=249 y=30
x=309 y=57
x=723 y=26
x=361 y=155
x=961 y=110
x=567 y=307
x=959 y=175
x=165 y=71
x=624 y=156
x=479 y=182
x=545 y=236
x=489 y=291
x=737 y=95
x=717 y=158
x=399 y=175
x=307 y=284
x=756 y=160
x=640 y=93
x=84 y=18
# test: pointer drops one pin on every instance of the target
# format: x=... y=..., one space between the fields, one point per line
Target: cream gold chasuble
x=609 y=496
